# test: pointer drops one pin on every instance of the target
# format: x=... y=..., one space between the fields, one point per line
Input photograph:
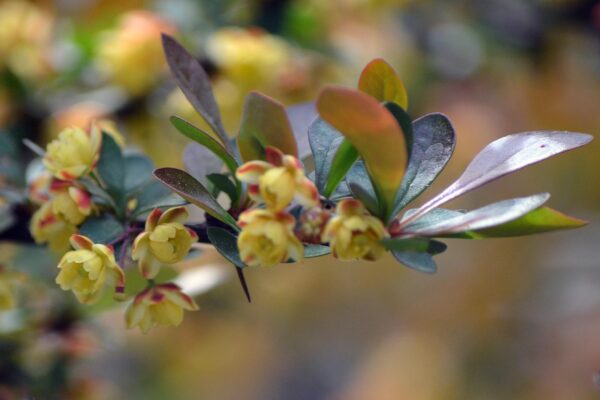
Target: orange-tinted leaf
x=374 y=132
x=380 y=80
x=264 y=123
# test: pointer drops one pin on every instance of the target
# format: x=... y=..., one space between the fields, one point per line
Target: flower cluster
x=272 y=235
x=65 y=203
x=63 y=189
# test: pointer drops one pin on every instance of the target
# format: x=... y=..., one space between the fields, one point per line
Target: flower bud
x=165 y=240
x=353 y=233
x=267 y=238
x=277 y=181
x=158 y=305
x=312 y=223
x=88 y=269
x=74 y=153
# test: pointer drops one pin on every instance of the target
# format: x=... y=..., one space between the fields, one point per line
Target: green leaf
x=102 y=229
x=205 y=140
x=375 y=134
x=190 y=189
x=224 y=184
x=315 y=250
x=540 y=220
x=264 y=123
x=482 y=218
x=226 y=244
x=431 y=145
x=138 y=171
x=416 y=253
x=195 y=84
x=344 y=158
x=380 y=80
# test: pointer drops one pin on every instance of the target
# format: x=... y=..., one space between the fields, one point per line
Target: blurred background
x=502 y=319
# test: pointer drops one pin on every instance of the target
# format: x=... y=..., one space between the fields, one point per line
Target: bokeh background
x=502 y=319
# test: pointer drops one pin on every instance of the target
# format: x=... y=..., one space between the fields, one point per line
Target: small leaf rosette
x=74 y=153
x=354 y=234
x=165 y=240
x=158 y=305
x=267 y=238
x=277 y=181
x=89 y=269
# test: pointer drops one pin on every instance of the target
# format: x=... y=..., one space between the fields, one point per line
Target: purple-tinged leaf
x=195 y=84
x=540 y=220
x=482 y=218
x=193 y=191
x=503 y=156
x=432 y=145
x=264 y=123
x=301 y=117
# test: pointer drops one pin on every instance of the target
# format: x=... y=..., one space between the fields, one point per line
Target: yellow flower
x=48 y=227
x=89 y=269
x=277 y=181
x=25 y=38
x=165 y=240
x=158 y=305
x=70 y=202
x=267 y=238
x=132 y=55
x=353 y=234
x=248 y=56
x=74 y=153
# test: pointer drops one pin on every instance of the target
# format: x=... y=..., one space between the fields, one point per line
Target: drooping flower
x=267 y=238
x=72 y=203
x=277 y=181
x=354 y=234
x=89 y=269
x=74 y=153
x=158 y=305
x=165 y=240
x=49 y=227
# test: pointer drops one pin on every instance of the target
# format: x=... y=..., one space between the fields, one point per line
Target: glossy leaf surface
x=482 y=218
x=433 y=142
x=190 y=189
x=507 y=155
x=540 y=220
x=264 y=123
